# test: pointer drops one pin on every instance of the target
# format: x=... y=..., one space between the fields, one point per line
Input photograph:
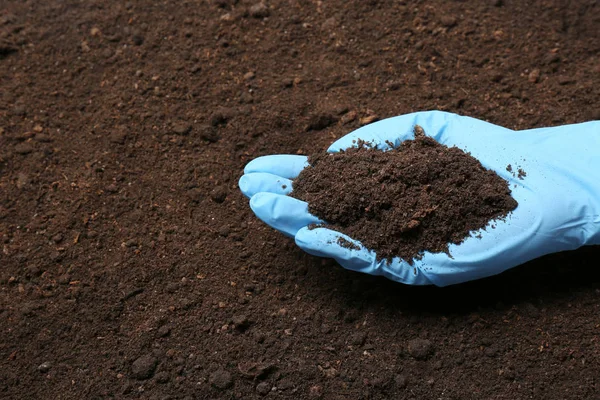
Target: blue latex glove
x=559 y=199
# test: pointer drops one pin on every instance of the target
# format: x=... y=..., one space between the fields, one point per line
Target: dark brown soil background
x=132 y=267
x=420 y=196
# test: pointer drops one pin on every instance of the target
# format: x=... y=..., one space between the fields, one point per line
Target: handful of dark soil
x=419 y=197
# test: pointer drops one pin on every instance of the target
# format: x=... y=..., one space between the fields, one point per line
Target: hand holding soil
x=558 y=199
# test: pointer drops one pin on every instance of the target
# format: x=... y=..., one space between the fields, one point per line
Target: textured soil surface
x=420 y=196
x=132 y=267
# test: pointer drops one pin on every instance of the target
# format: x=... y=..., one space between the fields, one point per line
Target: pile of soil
x=131 y=266
x=421 y=196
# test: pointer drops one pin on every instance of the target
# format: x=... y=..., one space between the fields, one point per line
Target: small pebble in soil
x=195 y=195
x=534 y=75
x=259 y=10
x=263 y=388
x=19 y=110
x=491 y=351
x=44 y=367
x=221 y=379
x=320 y=121
x=218 y=194
x=285 y=384
x=393 y=85
x=118 y=137
x=181 y=127
x=144 y=367
x=22 y=180
x=400 y=381
x=358 y=339
x=368 y=119
x=208 y=133
x=137 y=40
x=420 y=349
x=23 y=148
x=224 y=230
x=448 y=21
x=241 y=322
x=163 y=331
x=315 y=392
x=348 y=117
x=287 y=82
x=43 y=138
x=530 y=310
x=162 y=377
x=351 y=316
x=222 y=116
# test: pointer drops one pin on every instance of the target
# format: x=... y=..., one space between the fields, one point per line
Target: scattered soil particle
x=448 y=21
x=241 y=322
x=162 y=377
x=255 y=370
x=143 y=367
x=137 y=40
x=259 y=10
x=44 y=367
x=6 y=49
x=534 y=76
x=315 y=392
x=347 y=244
x=400 y=381
x=263 y=388
x=23 y=148
x=118 y=137
x=221 y=116
x=219 y=194
x=419 y=197
x=43 y=138
x=181 y=128
x=320 y=121
x=208 y=133
x=164 y=331
x=358 y=339
x=221 y=379
x=349 y=117
x=369 y=119
x=420 y=349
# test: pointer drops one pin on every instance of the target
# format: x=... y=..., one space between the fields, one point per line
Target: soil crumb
x=347 y=244
x=421 y=196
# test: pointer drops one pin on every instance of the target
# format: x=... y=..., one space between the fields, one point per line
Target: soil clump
x=420 y=196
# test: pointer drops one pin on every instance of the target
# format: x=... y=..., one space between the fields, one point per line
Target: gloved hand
x=559 y=199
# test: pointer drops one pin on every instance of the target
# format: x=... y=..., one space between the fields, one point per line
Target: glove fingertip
x=244 y=185
x=284 y=165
